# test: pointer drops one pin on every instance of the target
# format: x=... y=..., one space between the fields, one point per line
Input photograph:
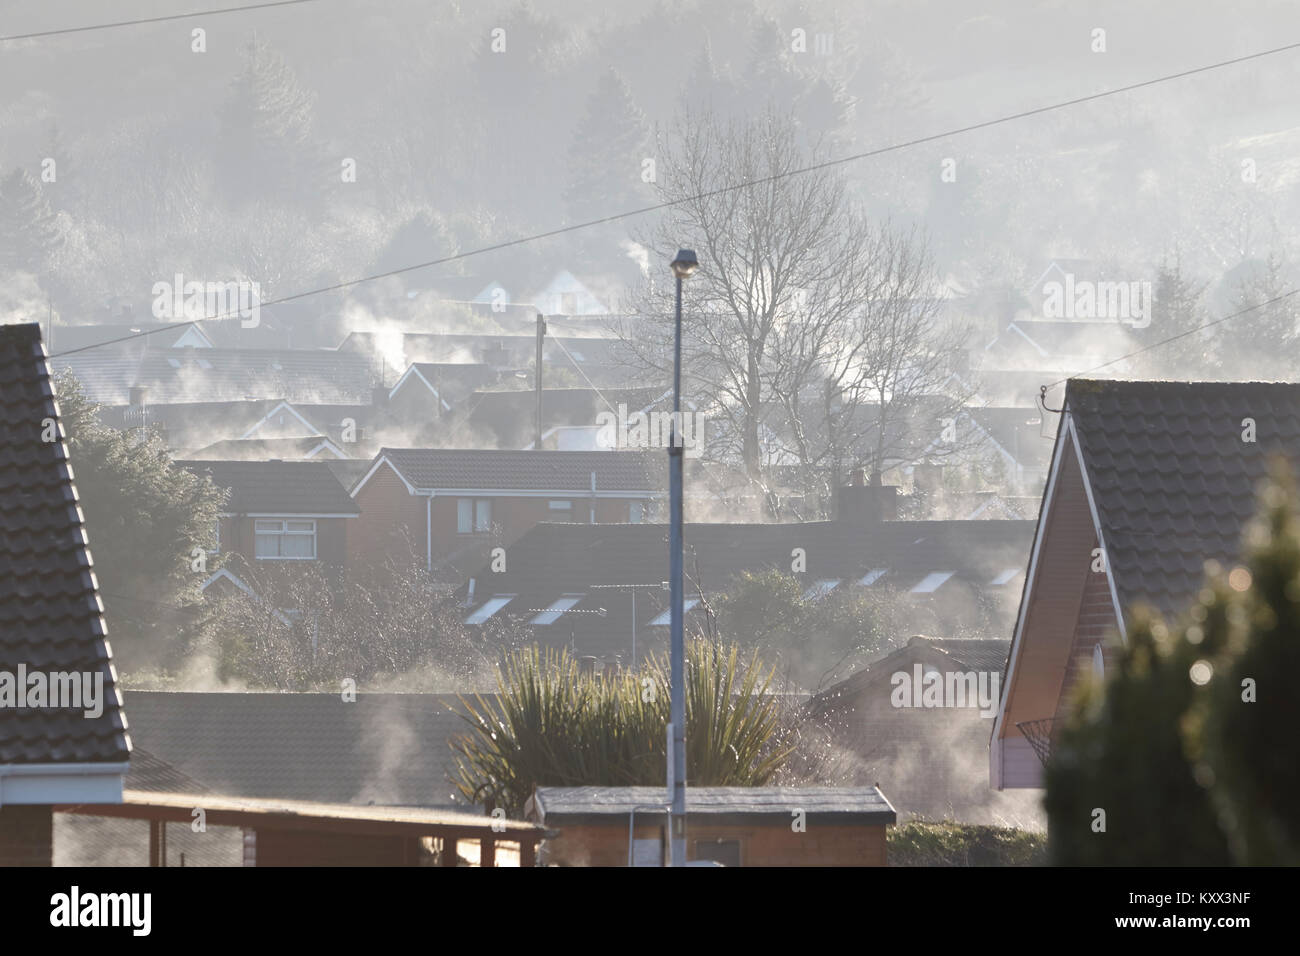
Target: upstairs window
x=288 y=539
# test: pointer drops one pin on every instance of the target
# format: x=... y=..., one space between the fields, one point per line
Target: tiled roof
x=561 y=471
x=1172 y=479
x=278 y=487
x=968 y=653
x=389 y=749
x=569 y=805
x=177 y=375
x=51 y=618
x=551 y=560
x=264 y=449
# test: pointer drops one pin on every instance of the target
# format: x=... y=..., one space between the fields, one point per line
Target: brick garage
x=737 y=826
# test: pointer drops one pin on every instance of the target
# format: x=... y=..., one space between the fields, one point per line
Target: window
x=216 y=537
x=557 y=608
x=1098 y=663
x=726 y=852
x=561 y=510
x=489 y=608
x=666 y=618
x=821 y=588
x=872 y=576
x=635 y=512
x=287 y=539
x=932 y=582
x=473 y=515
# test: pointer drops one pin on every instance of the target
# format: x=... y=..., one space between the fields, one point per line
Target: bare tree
x=810 y=334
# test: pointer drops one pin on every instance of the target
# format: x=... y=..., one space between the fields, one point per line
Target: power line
x=879 y=151
x=132 y=23
x=1172 y=338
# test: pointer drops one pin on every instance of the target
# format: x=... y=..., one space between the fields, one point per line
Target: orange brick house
x=733 y=826
x=446 y=508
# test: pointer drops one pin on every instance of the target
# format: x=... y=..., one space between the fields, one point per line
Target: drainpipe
x=428 y=532
x=593 y=498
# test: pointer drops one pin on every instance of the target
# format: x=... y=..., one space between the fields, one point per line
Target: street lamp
x=683 y=267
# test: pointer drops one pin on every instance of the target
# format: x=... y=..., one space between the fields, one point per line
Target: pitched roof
x=278 y=487
x=265 y=449
x=1173 y=482
x=553 y=560
x=390 y=749
x=51 y=618
x=173 y=375
x=557 y=806
x=569 y=472
x=969 y=653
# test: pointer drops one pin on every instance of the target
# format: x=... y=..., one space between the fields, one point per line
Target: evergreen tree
x=608 y=148
x=29 y=232
x=266 y=129
x=1242 y=734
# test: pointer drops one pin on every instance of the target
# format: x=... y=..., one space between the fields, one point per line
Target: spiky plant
x=552 y=725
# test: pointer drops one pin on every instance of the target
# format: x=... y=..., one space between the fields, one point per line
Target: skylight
x=1005 y=577
x=666 y=618
x=552 y=613
x=821 y=588
x=872 y=576
x=932 y=582
x=489 y=608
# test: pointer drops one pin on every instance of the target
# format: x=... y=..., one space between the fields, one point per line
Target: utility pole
x=537 y=379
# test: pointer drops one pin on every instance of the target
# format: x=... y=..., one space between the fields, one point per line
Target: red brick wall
x=1096 y=622
x=760 y=845
x=26 y=835
x=388 y=510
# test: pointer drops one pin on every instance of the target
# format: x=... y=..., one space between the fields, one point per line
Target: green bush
x=551 y=725
x=925 y=843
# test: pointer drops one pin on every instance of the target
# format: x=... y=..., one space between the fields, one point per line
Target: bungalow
x=917 y=718
x=449 y=506
x=53 y=749
x=597 y=589
x=1149 y=482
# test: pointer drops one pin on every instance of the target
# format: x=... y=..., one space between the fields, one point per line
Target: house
x=449 y=506
x=597 y=588
x=70 y=743
x=1149 y=481
x=917 y=719
x=281 y=511
x=733 y=826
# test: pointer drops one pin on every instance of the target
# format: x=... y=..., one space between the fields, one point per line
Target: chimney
x=862 y=505
x=379 y=396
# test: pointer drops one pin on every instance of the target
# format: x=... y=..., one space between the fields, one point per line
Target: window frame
x=283 y=532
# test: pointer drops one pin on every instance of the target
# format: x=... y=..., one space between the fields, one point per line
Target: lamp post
x=683 y=267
